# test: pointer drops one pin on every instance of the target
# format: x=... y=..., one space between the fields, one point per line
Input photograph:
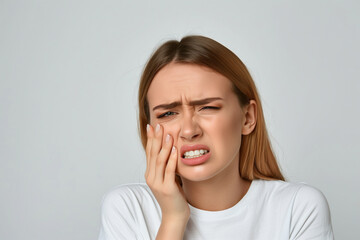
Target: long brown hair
x=257 y=160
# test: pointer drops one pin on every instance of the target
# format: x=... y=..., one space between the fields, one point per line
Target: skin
x=218 y=123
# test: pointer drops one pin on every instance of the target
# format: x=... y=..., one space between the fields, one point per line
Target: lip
x=197 y=160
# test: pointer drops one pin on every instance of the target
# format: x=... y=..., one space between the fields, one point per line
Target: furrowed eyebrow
x=204 y=101
x=167 y=106
x=192 y=103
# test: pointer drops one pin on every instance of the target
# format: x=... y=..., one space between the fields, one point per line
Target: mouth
x=194 y=154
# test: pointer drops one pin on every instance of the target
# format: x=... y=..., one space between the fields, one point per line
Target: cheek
x=172 y=130
x=229 y=130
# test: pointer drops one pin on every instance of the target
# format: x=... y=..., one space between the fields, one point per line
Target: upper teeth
x=196 y=153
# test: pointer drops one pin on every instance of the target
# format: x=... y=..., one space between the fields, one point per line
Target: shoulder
x=122 y=194
x=310 y=204
x=301 y=196
x=282 y=189
x=310 y=215
x=125 y=212
x=305 y=207
x=310 y=196
x=277 y=189
x=308 y=210
x=128 y=189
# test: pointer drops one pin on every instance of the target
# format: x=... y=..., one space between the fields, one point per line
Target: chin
x=195 y=173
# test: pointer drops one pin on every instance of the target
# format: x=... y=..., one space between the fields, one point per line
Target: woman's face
x=199 y=109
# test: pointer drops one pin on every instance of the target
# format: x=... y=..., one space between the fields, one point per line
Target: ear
x=250 y=118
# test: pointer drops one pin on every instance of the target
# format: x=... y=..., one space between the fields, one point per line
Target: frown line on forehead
x=191 y=103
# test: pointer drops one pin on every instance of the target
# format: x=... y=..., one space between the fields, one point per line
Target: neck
x=218 y=193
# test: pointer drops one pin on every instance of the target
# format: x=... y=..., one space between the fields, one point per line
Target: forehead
x=186 y=82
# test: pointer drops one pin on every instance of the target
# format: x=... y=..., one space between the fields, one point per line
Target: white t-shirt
x=270 y=210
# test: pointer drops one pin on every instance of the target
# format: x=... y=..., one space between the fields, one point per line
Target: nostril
x=196 y=135
x=190 y=133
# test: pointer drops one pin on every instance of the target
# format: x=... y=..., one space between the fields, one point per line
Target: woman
x=211 y=172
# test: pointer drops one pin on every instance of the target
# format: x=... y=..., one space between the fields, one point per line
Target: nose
x=190 y=129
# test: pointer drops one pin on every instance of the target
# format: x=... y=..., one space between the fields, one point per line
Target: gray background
x=69 y=74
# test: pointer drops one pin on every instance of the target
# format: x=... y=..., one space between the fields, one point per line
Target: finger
x=162 y=159
x=171 y=166
x=156 y=143
x=155 y=149
x=150 y=135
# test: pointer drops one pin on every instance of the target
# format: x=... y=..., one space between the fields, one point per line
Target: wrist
x=175 y=220
x=177 y=216
x=172 y=227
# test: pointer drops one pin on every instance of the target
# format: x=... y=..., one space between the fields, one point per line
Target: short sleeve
x=310 y=216
x=117 y=220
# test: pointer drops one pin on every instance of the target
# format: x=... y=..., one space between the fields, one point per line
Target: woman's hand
x=161 y=178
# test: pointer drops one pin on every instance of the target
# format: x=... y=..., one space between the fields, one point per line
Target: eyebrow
x=192 y=103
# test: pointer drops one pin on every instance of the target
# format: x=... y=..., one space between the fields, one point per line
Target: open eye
x=167 y=114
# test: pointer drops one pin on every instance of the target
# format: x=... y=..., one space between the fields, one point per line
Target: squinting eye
x=210 y=107
x=166 y=114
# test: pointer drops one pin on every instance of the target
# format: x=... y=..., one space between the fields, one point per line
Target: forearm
x=172 y=229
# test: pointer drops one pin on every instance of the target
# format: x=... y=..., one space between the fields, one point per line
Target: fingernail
x=173 y=149
x=147 y=127
x=167 y=138
x=157 y=128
